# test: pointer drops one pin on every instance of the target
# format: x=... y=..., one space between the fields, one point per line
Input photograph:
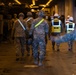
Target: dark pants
x=53 y=42
x=29 y=45
x=39 y=48
x=70 y=45
x=20 y=45
x=1 y=38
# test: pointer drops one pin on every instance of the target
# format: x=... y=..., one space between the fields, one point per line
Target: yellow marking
x=56 y=29
x=30 y=66
x=39 y=23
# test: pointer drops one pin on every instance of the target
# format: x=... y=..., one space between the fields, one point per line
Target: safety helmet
x=21 y=14
x=71 y=18
x=29 y=14
x=41 y=13
x=68 y=16
x=56 y=15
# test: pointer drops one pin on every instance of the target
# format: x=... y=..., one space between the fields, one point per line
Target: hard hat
x=71 y=18
x=41 y=13
x=29 y=14
x=68 y=16
x=21 y=14
x=56 y=15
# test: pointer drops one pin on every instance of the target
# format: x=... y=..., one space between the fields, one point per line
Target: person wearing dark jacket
x=29 y=39
x=39 y=29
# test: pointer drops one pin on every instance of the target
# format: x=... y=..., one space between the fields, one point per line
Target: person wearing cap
x=19 y=35
x=29 y=39
x=70 y=36
x=55 y=30
x=39 y=29
x=14 y=18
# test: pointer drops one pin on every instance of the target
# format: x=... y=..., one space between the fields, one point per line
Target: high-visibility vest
x=56 y=26
x=70 y=27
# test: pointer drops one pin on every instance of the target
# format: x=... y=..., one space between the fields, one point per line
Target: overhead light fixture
x=47 y=4
x=31 y=5
x=42 y=5
x=26 y=5
x=42 y=8
x=35 y=7
x=33 y=1
x=32 y=10
x=17 y=2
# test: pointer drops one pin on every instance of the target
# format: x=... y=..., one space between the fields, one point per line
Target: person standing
x=39 y=29
x=56 y=29
x=29 y=39
x=13 y=21
x=70 y=27
x=14 y=18
x=19 y=34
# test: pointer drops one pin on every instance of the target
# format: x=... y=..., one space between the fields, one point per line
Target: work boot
x=53 y=48
x=58 y=50
x=17 y=59
x=40 y=62
x=36 y=61
x=70 y=50
x=53 y=45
